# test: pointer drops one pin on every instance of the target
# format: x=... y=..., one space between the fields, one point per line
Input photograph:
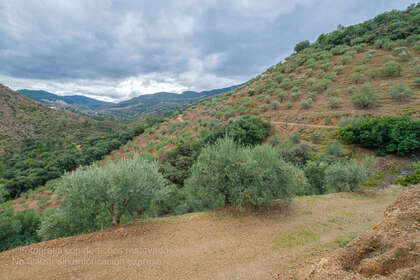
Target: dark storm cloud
x=119 y=49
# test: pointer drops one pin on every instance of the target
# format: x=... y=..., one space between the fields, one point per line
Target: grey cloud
x=119 y=49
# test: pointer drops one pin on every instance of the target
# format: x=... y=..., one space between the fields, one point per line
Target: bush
x=294 y=138
x=297 y=154
x=316 y=136
x=399 y=92
x=345 y=59
x=332 y=92
x=288 y=105
x=356 y=77
x=315 y=174
x=399 y=135
x=346 y=176
x=228 y=174
x=367 y=97
x=302 y=45
x=248 y=130
x=18 y=230
x=282 y=95
x=331 y=76
x=307 y=103
x=339 y=69
x=405 y=56
x=97 y=196
x=295 y=95
x=391 y=69
x=334 y=102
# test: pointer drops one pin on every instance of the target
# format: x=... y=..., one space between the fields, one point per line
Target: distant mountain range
x=126 y=110
x=77 y=102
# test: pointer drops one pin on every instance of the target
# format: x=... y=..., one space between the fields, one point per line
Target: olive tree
x=97 y=196
x=229 y=174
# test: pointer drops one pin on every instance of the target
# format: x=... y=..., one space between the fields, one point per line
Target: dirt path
x=304 y=124
x=214 y=245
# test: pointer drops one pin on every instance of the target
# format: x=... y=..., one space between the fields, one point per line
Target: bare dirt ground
x=391 y=250
x=223 y=244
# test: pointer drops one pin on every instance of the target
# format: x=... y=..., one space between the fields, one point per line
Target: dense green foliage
x=18 y=230
x=389 y=26
x=399 y=135
x=246 y=130
x=39 y=161
x=302 y=45
x=229 y=174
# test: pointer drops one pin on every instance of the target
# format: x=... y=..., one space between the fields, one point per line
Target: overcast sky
x=117 y=49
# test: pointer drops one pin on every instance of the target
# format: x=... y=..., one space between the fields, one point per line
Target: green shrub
x=325 y=66
x=251 y=91
x=345 y=59
x=297 y=154
x=285 y=84
x=294 y=138
x=367 y=97
x=275 y=105
x=391 y=69
x=331 y=76
x=278 y=77
x=356 y=77
x=399 y=135
x=301 y=46
x=288 y=105
x=282 y=95
x=307 y=103
x=405 y=56
x=310 y=82
x=295 y=95
x=316 y=136
x=315 y=174
x=228 y=174
x=332 y=92
x=18 y=230
x=339 y=69
x=399 y=92
x=321 y=85
x=248 y=130
x=334 y=102
x=351 y=89
x=346 y=176
x=359 y=68
x=312 y=95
